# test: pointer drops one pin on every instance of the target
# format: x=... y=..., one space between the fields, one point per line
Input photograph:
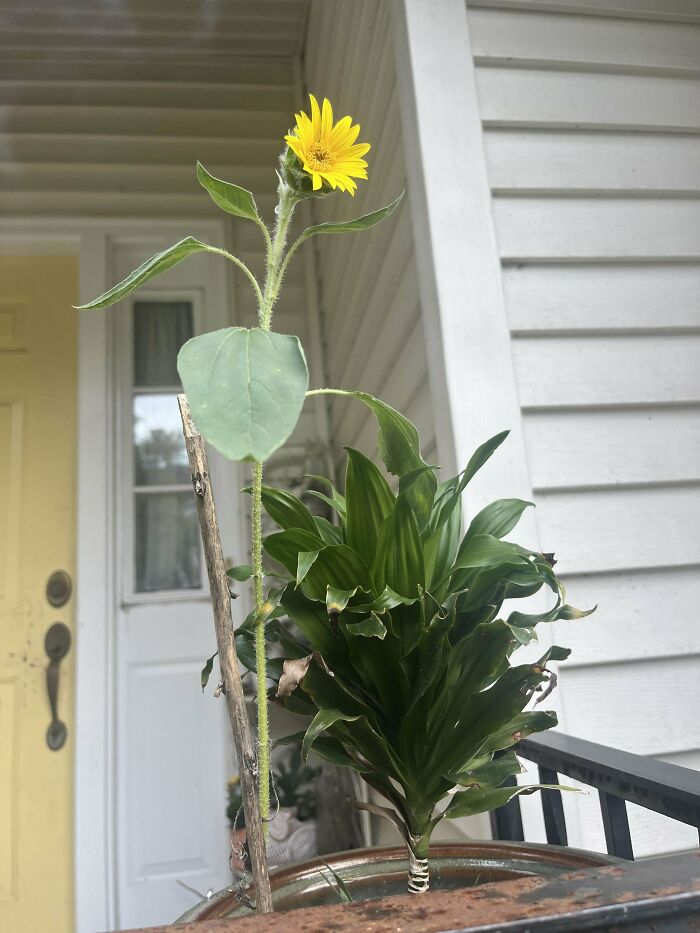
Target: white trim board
x=93 y=241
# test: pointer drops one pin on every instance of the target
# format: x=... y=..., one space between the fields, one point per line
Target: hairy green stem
x=242 y=266
x=266 y=302
x=260 y=658
x=276 y=263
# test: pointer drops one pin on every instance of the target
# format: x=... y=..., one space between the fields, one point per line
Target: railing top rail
x=657 y=785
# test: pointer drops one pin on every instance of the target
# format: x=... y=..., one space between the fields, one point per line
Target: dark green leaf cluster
x=403 y=660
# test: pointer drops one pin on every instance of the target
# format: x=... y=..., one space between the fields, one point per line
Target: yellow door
x=38 y=332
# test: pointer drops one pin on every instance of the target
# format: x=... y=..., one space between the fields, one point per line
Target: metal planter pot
x=381 y=872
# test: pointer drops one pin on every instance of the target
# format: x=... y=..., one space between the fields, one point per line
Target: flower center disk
x=320 y=157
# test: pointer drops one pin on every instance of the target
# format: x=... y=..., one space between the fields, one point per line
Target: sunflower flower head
x=329 y=156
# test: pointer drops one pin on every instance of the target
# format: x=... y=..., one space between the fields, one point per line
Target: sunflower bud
x=293 y=175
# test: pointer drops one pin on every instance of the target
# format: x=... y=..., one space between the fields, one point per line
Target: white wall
x=589 y=130
x=368 y=288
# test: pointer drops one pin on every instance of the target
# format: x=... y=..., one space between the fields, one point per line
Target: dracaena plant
x=246 y=386
x=402 y=652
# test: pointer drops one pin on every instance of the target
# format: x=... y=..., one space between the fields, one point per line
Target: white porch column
x=466 y=331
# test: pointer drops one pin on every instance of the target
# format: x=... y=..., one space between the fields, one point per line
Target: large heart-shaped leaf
x=157 y=264
x=228 y=197
x=246 y=388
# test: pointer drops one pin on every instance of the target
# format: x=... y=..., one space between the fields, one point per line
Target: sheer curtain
x=167 y=550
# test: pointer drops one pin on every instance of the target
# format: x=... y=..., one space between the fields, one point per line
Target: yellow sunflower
x=328 y=152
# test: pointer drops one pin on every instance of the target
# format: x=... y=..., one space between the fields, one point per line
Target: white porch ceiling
x=129 y=31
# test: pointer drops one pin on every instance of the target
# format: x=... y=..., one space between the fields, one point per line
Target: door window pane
x=167 y=549
x=160 y=457
x=160 y=329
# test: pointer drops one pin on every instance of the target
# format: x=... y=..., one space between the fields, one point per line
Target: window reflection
x=159 y=447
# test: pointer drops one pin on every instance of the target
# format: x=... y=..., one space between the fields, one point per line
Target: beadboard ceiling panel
x=106 y=106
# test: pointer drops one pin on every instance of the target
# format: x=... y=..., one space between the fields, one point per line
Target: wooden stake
x=223 y=623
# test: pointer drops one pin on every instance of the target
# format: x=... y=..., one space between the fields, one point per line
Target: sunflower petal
x=326 y=119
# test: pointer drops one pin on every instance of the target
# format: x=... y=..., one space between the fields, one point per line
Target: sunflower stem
x=266 y=303
x=275 y=257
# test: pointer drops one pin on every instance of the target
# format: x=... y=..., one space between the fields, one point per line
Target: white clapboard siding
x=537 y=37
x=590 y=113
x=642 y=614
x=608 y=370
x=681 y=11
x=372 y=327
x=592 y=162
x=532 y=97
x=603 y=297
x=655 y=727
x=587 y=448
x=609 y=529
x=592 y=227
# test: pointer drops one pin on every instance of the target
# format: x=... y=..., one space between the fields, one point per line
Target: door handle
x=57 y=645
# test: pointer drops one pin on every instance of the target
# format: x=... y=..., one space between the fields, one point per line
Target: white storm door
x=173 y=752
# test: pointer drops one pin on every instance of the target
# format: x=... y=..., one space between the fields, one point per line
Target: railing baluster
x=616 y=825
x=507 y=821
x=553 y=809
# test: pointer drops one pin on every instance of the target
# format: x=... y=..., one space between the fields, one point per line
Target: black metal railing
x=618 y=777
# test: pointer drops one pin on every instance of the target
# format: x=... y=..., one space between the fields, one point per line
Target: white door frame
x=93 y=242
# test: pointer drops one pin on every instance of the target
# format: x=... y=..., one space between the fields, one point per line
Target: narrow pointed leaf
x=286 y=510
x=369 y=500
x=311 y=619
x=305 y=561
x=360 y=223
x=230 y=198
x=339 y=566
x=518 y=728
x=399 y=555
x=389 y=599
x=285 y=546
x=480 y=456
x=373 y=627
x=399 y=448
x=246 y=388
x=323 y=720
x=568 y=613
x=343 y=893
x=240 y=572
x=206 y=671
x=330 y=533
x=154 y=266
x=337 y=600
x=486 y=551
x=481 y=800
x=498 y=518
x=491 y=774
